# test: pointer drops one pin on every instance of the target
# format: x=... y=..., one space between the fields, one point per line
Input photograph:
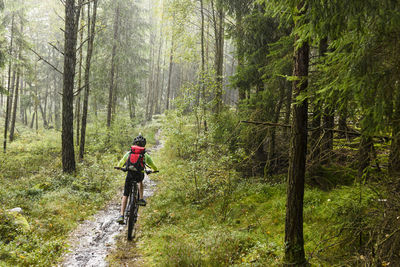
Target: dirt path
x=93 y=239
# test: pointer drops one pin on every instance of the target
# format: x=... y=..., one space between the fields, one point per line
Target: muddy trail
x=91 y=242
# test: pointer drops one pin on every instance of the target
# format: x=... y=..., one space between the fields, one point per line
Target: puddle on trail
x=93 y=239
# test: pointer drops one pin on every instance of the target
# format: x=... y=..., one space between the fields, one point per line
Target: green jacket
x=147 y=159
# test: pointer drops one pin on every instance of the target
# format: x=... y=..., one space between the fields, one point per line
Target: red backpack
x=135 y=160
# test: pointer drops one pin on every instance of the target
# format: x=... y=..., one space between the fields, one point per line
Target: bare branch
x=55 y=11
x=81 y=44
x=86 y=3
x=51 y=65
x=80 y=89
x=56 y=48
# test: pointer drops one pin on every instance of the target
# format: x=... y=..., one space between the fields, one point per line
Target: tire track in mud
x=93 y=239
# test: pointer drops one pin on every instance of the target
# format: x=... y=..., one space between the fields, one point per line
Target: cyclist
x=134 y=176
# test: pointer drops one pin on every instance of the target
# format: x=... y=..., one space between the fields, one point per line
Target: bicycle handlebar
x=124 y=169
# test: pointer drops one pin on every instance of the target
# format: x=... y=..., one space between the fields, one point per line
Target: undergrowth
x=54 y=203
x=205 y=213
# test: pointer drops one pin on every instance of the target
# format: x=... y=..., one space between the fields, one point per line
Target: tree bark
x=72 y=13
x=112 y=72
x=219 y=55
x=394 y=157
x=56 y=104
x=78 y=100
x=316 y=144
x=171 y=58
x=294 y=241
x=33 y=119
x=288 y=110
x=8 y=87
x=91 y=35
x=157 y=87
x=21 y=106
x=364 y=154
x=42 y=111
x=14 y=112
x=316 y=134
x=271 y=162
x=203 y=67
x=343 y=119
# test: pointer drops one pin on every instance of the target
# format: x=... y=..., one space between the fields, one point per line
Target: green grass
x=205 y=214
x=54 y=203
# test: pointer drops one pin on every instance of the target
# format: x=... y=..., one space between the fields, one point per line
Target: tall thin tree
x=8 y=87
x=72 y=13
x=91 y=35
x=113 y=58
x=294 y=241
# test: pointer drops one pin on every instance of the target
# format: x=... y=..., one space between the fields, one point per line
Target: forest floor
x=92 y=241
x=95 y=238
x=53 y=204
x=206 y=214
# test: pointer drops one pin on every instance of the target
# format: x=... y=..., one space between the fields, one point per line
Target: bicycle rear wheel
x=133 y=211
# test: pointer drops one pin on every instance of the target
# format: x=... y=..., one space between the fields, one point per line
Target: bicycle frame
x=131 y=211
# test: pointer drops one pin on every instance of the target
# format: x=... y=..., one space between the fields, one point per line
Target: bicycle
x=132 y=206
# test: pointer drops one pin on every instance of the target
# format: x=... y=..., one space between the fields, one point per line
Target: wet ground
x=93 y=239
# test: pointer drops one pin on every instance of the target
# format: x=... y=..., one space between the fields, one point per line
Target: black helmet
x=139 y=140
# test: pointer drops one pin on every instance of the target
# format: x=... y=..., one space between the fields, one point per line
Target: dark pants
x=130 y=178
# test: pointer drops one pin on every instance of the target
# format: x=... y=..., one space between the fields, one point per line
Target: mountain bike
x=132 y=208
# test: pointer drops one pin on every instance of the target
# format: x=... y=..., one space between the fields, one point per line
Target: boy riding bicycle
x=135 y=171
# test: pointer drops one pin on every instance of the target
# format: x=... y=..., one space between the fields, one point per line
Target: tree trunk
x=25 y=117
x=115 y=93
x=130 y=106
x=72 y=13
x=112 y=72
x=36 y=110
x=157 y=87
x=394 y=157
x=8 y=87
x=171 y=57
x=240 y=50
x=203 y=68
x=42 y=111
x=78 y=100
x=315 y=140
x=294 y=242
x=271 y=162
x=21 y=106
x=316 y=133
x=33 y=119
x=219 y=54
x=162 y=85
x=14 y=113
x=151 y=87
x=288 y=110
x=343 y=119
x=56 y=104
x=91 y=34
x=364 y=155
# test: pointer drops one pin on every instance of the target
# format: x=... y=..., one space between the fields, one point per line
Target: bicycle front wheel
x=133 y=211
